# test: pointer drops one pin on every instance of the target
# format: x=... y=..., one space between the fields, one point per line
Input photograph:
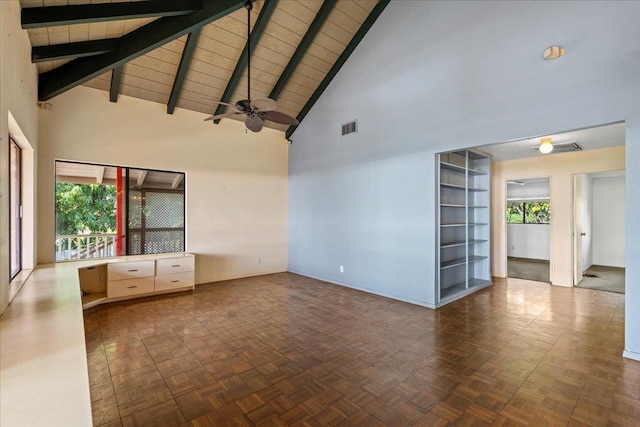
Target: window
x=528 y=212
x=106 y=211
x=15 y=202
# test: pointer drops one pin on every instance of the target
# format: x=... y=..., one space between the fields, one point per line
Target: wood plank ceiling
x=302 y=46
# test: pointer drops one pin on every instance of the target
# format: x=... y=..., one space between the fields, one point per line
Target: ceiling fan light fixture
x=254 y=123
x=545 y=146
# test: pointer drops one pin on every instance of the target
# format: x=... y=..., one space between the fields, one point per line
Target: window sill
x=16 y=283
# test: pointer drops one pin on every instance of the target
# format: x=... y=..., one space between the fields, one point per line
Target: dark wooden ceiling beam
x=185 y=60
x=357 y=38
x=306 y=41
x=132 y=45
x=114 y=90
x=72 y=50
x=49 y=16
x=256 y=32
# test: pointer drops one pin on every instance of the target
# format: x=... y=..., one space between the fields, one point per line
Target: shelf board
x=452 y=168
x=454 y=186
x=93 y=299
x=460 y=187
x=461 y=243
x=459 y=290
x=476 y=172
x=460 y=261
x=460 y=169
x=453 y=289
x=478 y=283
x=453 y=244
x=453 y=205
x=453 y=263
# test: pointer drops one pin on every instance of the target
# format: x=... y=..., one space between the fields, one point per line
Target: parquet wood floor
x=284 y=349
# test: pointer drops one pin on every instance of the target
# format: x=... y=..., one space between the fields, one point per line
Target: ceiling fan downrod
x=249 y=6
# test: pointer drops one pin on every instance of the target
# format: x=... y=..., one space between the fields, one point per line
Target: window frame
x=126 y=189
x=524 y=203
x=15 y=236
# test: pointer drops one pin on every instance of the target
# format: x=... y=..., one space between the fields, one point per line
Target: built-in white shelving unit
x=463 y=232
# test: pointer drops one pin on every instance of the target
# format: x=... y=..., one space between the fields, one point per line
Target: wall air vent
x=351 y=127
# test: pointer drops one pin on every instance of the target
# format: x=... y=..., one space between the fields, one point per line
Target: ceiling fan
x=259 y=109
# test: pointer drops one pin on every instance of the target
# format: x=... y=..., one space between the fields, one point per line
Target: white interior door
x=577 y=227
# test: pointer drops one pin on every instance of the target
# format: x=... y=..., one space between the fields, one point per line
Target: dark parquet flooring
x=285 y=350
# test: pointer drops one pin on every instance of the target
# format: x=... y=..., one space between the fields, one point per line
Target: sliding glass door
x=15 y=202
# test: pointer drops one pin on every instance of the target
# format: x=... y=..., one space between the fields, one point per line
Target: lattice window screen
x=156 y=222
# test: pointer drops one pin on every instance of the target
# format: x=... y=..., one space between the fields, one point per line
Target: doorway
x=528 y=229
x=599 y=231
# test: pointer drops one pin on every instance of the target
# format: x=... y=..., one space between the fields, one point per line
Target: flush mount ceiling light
x=553 y=52
x=545 y=146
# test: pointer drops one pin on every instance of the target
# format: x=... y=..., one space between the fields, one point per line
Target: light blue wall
x=434 y=76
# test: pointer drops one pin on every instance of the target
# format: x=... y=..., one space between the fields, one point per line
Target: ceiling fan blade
x=278 y=117
x=264 y=104
x=219 y=102
x=222 y=116
x=254 y=123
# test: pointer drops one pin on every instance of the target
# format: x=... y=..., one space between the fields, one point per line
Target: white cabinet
x=174 y=273
x=463 y=232
x=130 y=278
x=130 y=270
x=125 y=288
x=182 y=264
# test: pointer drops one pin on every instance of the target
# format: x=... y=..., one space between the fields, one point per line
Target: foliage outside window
x=85 y=208
x=530 y=212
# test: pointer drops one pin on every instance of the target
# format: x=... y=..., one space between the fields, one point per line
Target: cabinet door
x=174 y=265
x=124 y=288
x=174 y=281
x=130 y=270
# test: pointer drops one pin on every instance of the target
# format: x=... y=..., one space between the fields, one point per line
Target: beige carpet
x=608 y=279
x=529 y=269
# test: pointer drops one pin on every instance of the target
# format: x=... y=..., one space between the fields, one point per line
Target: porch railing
x=83 y=246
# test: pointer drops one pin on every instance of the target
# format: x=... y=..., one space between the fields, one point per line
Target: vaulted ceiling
x=188 y=53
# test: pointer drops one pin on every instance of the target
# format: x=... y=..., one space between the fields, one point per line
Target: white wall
x=436 y=76
x=609 y=221
x=528 y=241
x=18 y=93
x=236 y=182
x=531 y=190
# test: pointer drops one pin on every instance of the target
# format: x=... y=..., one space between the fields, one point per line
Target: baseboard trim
x=631 y=355
x=369 y=291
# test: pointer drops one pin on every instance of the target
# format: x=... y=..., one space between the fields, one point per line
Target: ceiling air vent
x=565 y=147
x=351 y=127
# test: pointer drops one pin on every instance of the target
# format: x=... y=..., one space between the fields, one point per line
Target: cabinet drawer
x=174 y=281
x=174 y=265
x=130 y=270
x=123 y=288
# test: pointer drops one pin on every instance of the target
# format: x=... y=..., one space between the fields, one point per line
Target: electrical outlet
x=342 y=269
x=259 y=261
